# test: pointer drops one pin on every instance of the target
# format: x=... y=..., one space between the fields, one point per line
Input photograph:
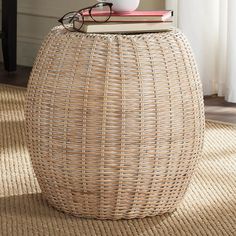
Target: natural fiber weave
x=208 y=208
x=115 y=122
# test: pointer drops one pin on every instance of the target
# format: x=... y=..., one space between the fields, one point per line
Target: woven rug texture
x=208 y=208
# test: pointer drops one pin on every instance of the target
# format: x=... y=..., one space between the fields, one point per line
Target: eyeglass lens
x=68 y=20
x=101 y=12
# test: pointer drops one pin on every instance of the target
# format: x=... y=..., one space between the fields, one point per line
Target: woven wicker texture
x=114 y=122
x=208 y=208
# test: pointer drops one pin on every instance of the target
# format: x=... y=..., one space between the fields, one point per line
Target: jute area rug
x=209 y=206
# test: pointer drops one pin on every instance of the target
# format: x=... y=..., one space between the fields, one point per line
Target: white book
x=93 y=27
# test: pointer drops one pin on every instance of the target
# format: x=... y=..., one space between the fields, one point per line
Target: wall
x=36 y=17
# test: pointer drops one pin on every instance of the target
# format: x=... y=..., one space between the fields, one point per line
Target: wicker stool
x=115 y=122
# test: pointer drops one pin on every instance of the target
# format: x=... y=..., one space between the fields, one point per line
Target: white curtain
x=210 y=26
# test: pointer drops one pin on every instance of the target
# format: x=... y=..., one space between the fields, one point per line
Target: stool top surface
x=62 y=31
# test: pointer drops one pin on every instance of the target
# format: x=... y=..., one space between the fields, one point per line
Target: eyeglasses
x=74 y=20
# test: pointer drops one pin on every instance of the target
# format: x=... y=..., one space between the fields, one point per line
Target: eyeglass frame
x=81 y=13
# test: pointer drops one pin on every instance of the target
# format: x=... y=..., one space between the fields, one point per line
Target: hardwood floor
x=216 y=108
x=17 y=78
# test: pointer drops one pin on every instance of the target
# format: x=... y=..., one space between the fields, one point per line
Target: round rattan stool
x=115 y=122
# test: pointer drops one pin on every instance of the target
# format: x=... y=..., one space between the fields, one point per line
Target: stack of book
x=130 y=22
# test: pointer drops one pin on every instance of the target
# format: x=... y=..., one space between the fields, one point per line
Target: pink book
x=134 y=16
